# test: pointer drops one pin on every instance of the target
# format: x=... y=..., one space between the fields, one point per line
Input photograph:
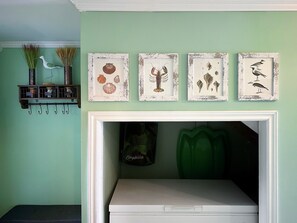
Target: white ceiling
x=59 y=20
x=39 y=20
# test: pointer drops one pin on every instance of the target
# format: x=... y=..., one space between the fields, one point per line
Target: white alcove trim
x=99 y=186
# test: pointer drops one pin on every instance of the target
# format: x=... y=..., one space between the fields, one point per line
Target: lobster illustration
x=158 y=76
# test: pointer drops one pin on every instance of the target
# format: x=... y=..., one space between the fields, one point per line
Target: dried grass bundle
x=66 y=55
x=31 y=53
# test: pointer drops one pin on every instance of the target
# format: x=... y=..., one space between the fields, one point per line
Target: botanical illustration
x=158 y=77
x=258 y=76
x=108 y=77
x=207 y=76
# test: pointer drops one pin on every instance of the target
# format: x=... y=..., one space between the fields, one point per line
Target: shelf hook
x=47 y=111
x=30 y=110
x=63 y=109
x=56 y=111
x=40 y=111
x=67 y=112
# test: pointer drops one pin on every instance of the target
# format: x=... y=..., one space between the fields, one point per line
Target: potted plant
x=66 y=54
x=31 y=54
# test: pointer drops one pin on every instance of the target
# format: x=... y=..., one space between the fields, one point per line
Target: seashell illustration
x=101 y=79
x=200 y=85
x=209 y=66
x=109 y=88
x=109 y=68
x=117 y=79
x=216 y=84
x=208 y=79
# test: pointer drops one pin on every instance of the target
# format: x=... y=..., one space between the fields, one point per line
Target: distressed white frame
x=143 y=86
x=194 y=73
x=242 y=75
x=94 y=58
x=97 y=201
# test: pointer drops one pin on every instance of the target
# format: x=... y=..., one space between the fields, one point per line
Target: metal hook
x=47 y=111
x=56 y=111
x=30 y=110
x=63 y=109
x=67 y=112
x=40 y=111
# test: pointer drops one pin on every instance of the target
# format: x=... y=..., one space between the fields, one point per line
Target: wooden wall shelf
x=48 y=94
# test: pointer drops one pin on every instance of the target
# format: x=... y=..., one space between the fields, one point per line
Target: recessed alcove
x=104 y=167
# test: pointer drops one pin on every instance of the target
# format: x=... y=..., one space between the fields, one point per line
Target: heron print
x=257 y=72
x=258 y=76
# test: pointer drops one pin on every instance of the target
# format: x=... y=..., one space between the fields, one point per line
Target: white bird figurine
x=48 y=65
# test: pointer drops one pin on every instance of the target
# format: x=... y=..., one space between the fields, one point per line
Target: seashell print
x=208 y=79
x=109 y=88
x=101 y=79
x=109 y=68
x=117 y=79
x=216 y=84
x=200 y=85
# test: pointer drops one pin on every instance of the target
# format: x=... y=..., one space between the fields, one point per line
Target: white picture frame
x=108 y=77
x=258 y=75
x=158 y=77
x=208 y=76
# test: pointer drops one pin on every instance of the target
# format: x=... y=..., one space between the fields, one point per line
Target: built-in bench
x=43 y=214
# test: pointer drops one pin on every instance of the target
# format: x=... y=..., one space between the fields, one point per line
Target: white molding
x=268 y=156
x=185 y=5
x=43 y=44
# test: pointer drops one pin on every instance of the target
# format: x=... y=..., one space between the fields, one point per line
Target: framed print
x=158 y=77
x=207 y=76
x=258 y=76
x=108 y=77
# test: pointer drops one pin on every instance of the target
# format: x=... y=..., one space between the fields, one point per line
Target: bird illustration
x=48 y=65
x=258 y=64
x=257 y=73
x=259 y=86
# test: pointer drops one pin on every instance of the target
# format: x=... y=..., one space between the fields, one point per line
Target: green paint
x=39 y=154
x=185 y=32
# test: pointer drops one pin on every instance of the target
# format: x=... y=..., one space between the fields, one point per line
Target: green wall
x=185 y=32
x=39 y=154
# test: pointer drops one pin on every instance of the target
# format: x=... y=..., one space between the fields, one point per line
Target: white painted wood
x=180 y=200
x=185 y=5
x=172 y=196
x=268 y=144
x=98 y=162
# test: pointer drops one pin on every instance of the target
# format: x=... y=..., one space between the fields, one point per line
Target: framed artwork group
x=108 y=76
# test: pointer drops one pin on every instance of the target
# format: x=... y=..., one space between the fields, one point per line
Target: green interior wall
x=186 y=32
x=39 y=154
